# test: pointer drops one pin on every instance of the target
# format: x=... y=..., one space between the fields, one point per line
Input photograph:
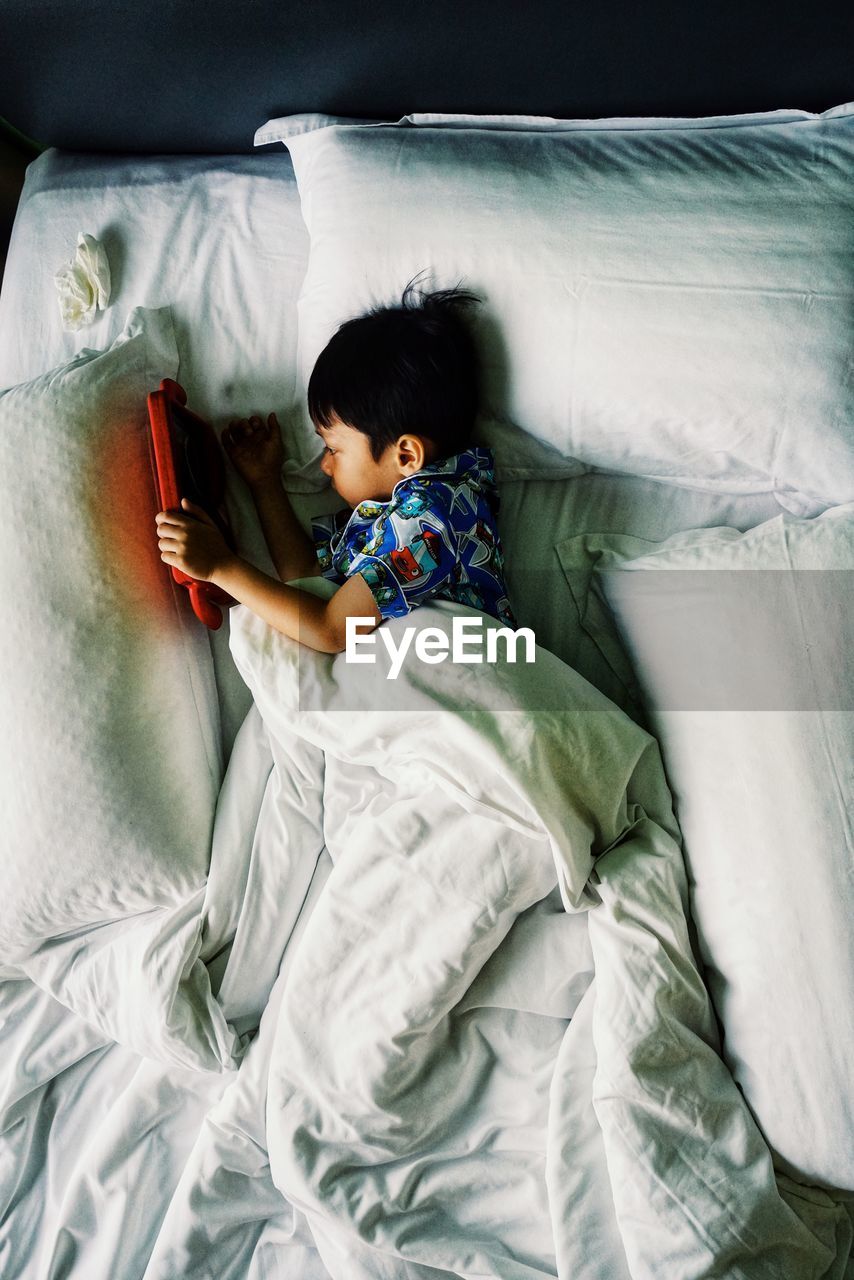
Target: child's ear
x=411 y=453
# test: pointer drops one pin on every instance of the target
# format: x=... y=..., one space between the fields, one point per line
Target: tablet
x=187 y=463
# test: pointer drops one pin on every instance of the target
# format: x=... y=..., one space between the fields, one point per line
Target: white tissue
x=83 y=284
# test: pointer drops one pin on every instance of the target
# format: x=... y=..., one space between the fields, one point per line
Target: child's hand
x=192 y=542
x=255 y=449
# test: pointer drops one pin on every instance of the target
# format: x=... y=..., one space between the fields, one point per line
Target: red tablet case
x=188 y=463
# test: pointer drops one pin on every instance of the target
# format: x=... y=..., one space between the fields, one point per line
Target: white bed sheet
x=222 y=241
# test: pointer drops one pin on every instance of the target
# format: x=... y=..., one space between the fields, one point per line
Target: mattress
x=221 y=242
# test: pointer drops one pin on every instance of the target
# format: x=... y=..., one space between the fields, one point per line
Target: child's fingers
x=249 y=429
x=175 y=529
x=246 y=430
x=239 y=429
x=168 y=533
x=196 y=511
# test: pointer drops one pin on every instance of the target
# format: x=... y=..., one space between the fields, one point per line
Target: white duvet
x=438 y=1086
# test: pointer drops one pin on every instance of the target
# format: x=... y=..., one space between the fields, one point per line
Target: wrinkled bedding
x=439 y=1085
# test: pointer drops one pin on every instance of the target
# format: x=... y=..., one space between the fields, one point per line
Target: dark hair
x=406 y=368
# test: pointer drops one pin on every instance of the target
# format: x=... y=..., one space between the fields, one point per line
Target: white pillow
x=283 y=128
x=110 y=754
x=665 y=299
x=743 y=646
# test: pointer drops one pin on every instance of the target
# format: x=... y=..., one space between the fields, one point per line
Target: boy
x=393 y=396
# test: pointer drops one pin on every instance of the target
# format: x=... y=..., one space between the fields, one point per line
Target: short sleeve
x=326 y=530
x=417 y=558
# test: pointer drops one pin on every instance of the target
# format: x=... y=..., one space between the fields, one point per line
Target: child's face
x=355 y=474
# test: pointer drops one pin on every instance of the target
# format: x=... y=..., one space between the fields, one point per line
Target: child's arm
x=291 y=550
x=193 y=544
x=255 y=450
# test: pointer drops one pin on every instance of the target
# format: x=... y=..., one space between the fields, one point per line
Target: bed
x=516 y=971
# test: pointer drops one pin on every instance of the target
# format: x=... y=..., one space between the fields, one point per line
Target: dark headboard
x=201 y=75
